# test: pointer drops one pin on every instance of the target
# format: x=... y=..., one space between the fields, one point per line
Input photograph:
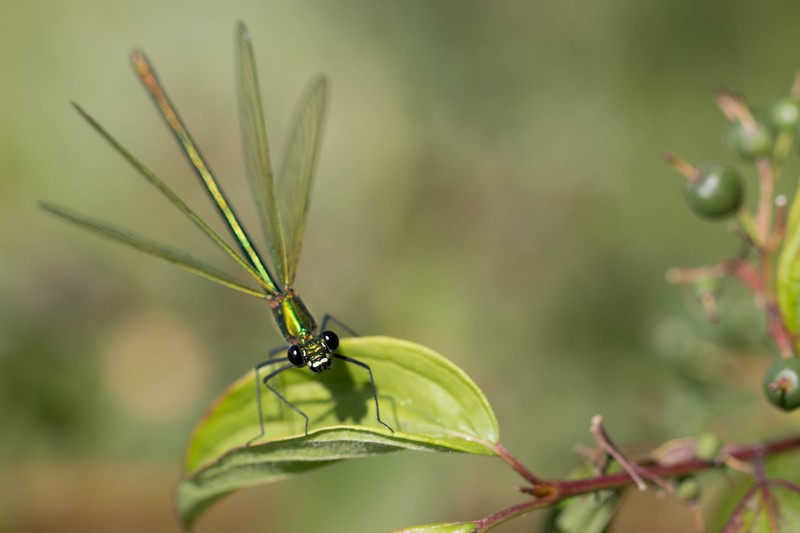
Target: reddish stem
x=733 y=107
x=556 y=491
x=759 y=283
x=748 y=275
x=683 y=167
x=766 y=181
x=517 y=466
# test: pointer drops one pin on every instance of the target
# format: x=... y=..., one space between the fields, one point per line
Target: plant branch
x=556 y=491
x=518 y=467
x=603 y=441
x=766 y=181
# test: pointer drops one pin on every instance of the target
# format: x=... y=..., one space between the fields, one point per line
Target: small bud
x=708 y=447
x=688 y=489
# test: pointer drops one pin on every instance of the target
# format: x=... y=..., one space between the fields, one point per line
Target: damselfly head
x=315 y=352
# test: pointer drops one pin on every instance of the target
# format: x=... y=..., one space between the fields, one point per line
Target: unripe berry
x=784 y=114
x=715 y=191
x=750 y=141
x=782 y=383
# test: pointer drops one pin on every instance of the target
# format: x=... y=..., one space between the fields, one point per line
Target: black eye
x=331 y=340
x=296 y=356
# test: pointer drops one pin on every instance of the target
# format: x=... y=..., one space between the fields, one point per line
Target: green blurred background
x=490 y=186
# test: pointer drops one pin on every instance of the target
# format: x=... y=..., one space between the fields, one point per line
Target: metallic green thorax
x=298 y=327
x=293 y=317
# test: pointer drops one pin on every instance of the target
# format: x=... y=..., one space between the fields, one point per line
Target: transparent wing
x=153 y=248
x=256 y=152
x=148 y=77
x=294 y=182
x=172 y=197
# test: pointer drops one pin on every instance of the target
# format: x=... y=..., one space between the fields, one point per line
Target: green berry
x=750 y=141
x=715 y=191
x=688 y=489
x=707 y=447
x=784 y=114
x=782 y=383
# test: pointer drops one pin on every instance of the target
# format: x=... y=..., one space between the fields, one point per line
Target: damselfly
x=282 y=200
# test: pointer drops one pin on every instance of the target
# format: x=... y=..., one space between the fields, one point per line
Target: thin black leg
x=330 y=318
x=366 y=367
x=279 y=395
x=258 y=391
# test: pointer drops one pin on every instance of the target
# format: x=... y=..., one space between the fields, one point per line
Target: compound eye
x=296 y=356
x=331 y=340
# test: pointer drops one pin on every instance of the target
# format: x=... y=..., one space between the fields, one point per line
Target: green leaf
x=591 y=513
x=586 y=514
x=788 y=270
x=772 y=506
x=450 y=527
x=430 y=403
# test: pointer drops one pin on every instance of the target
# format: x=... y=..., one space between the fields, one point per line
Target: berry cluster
x=717 y=191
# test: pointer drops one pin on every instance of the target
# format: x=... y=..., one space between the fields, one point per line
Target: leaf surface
x=787 y=273
x=430 y=403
